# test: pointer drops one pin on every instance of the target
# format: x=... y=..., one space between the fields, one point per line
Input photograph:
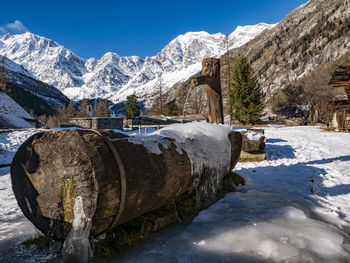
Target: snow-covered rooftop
x=12 y=113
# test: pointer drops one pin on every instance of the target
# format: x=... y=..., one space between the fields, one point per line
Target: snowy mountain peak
x=113 y=76
x=241 y=30
x=243 y=34
x=191 y=36
x=110 y=56
x=44 y=58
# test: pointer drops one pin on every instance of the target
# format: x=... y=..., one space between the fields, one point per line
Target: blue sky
x=133 y=27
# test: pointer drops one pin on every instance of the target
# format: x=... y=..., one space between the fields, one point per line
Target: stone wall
x=116 y=123
x=97 y=122
x=143 y=120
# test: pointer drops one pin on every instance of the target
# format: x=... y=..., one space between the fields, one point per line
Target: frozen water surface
x=294 y=208
x=248 y=226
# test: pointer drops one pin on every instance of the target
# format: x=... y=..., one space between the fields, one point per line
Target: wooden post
x=210 y=77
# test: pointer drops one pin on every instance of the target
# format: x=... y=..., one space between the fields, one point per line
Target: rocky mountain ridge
x=114 y=77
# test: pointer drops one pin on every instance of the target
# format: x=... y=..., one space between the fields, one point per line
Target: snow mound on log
x=207 y=146
x=150 y=142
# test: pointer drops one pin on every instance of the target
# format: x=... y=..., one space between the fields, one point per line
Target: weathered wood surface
x=51 y=169
x=210 y=77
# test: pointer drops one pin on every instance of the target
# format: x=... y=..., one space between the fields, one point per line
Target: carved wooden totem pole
x=210 y=76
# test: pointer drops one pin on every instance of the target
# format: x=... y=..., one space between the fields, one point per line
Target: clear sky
x=133 y=27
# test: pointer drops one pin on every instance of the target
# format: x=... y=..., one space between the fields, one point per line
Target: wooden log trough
x=88 y=182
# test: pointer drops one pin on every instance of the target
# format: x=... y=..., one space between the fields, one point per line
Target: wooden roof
x=341 y=76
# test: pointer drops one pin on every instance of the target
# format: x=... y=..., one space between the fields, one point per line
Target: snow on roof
x=12 y=113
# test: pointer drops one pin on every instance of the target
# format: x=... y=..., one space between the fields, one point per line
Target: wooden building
x=340 y=103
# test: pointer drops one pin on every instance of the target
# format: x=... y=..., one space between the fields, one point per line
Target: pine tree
x=246 y=98
x=132 y=108
x=173 y=109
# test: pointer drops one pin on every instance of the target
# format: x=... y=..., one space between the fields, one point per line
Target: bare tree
x=101 y=108
x=67 y=112
x=228 y=66
x=160 y=87
x=71 y=110
x=84 y=108
x=316 y=93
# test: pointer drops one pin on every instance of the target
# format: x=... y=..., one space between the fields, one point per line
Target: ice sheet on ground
x=298 y=196
x=294 y=208
x=248 y=226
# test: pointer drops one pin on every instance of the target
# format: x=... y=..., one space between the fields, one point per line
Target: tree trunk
x=54 y=169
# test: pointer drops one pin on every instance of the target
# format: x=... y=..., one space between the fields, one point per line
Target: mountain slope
x=114 y=77
x=44 y=58
x=313 y=35
x=32 y=94
x=302 y=49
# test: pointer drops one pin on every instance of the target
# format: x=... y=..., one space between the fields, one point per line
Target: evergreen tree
x=173 y=109
x=132 y=108
x=246 y=98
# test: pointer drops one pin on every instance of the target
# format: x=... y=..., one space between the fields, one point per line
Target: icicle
x=76 y=247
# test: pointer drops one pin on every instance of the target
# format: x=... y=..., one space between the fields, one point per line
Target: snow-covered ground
x=294 y=208
x=14 y=227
